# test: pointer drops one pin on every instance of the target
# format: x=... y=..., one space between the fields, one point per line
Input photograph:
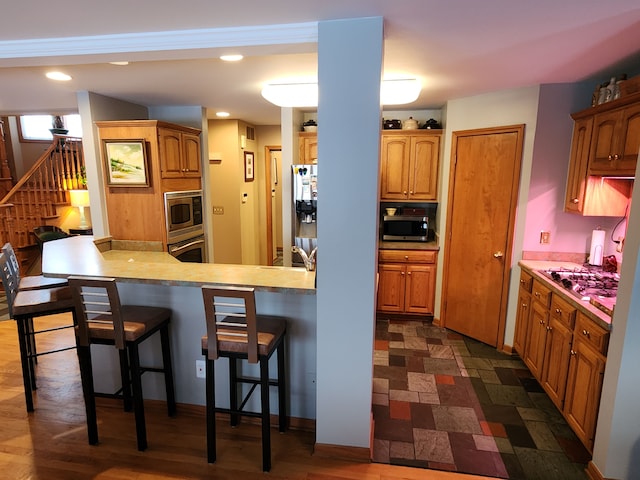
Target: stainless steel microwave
x=183 y=212
x=413 y=228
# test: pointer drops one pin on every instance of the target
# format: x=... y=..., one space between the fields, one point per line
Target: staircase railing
x=34 y=199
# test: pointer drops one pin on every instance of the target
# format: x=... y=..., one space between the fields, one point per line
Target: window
x=36 y=127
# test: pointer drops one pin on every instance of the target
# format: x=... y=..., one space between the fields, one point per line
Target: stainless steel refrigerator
x=305 y=198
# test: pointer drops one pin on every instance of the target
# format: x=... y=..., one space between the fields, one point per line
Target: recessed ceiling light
x=119 y=63
x=222 y=114
x=231 y=58
x=63 y=77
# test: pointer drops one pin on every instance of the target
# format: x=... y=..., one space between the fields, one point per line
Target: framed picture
x=248 y=166
x=126 y=163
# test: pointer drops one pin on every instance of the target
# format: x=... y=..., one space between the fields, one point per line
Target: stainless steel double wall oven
x=184 y=222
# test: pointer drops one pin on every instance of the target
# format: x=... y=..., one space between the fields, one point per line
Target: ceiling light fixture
x=119 y=63
x=393 y=91
x=62 y=77
x=222 y=114
x=231 y=58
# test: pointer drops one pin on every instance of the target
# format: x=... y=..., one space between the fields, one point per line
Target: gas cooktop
x=591 y=284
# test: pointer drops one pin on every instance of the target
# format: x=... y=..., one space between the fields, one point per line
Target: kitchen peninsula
x=149 y=277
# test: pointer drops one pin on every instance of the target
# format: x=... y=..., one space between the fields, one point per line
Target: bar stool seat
x=235 y=331
x=102 y=319
x=24 y=305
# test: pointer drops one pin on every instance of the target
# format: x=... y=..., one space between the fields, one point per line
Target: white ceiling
x=457 y=48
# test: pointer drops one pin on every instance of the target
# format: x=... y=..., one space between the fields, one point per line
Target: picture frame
x=126 y=163
x=248 y=167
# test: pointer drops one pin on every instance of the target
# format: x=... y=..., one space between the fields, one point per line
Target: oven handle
x=179 y=248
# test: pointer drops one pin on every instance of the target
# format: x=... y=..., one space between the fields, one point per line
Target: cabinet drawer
x=407 y=256
x=526 y=281
x=593 y=334
x=563 y=311
x=541 y=293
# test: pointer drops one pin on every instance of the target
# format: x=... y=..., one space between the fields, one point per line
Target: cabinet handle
x=406 y=257
x=402 y=274
x=498 y=254
x=521 y=282
x=537 y=294
x=408 y=273
x=586 y=333
x=610 y=157
x=541 y=322
x=575 y=200
x=558 y=311
x=573 y=353
x=616 y=157
x=548 y=328
x=524 y=305
x=404 y=192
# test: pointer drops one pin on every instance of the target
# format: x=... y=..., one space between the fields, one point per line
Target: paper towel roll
x=597 y=247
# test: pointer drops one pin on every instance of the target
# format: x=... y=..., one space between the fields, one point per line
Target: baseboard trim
x=592 y=472
x=354 y=454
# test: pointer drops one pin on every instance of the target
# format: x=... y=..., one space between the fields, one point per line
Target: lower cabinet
x=406 y=281
x=566 y=351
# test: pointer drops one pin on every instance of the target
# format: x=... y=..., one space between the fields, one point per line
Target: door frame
x=508 y=257
x=268 y=199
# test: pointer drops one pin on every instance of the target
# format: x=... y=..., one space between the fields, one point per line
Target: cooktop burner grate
x=585 y=283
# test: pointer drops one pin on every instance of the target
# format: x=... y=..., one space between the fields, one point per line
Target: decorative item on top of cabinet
x=406 y=281
x=308 y=148
x=409 y=165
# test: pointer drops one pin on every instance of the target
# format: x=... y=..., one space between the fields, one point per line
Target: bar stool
x=24 y=305
x=102 y=319
x=235 y=331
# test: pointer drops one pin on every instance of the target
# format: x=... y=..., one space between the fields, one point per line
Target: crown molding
x=259 y=35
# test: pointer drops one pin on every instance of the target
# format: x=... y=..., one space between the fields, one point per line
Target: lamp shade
x=79 y=198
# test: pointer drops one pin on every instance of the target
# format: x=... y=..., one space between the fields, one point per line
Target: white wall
x=349 y=66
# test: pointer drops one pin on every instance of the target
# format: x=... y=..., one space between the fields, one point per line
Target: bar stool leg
x=86 y=375
x=233 y=391
x=126 y=381
x=265 y=411
x=138 y=402
x=211 y=411
x=21 y=323
x=282 y=389
x=168 y=371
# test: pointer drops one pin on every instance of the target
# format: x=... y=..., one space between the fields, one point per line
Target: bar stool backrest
x=8 y=251
x=230 y=314
x=9 y=281
x=97 y=303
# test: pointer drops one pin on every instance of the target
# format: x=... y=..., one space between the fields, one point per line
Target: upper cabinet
x=308 y=148
x=409 y=165
x=179 y=153
x=615 y=141
x=604 y=154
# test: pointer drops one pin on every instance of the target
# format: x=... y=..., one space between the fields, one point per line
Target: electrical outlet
x=200 y=369
x=545 y=237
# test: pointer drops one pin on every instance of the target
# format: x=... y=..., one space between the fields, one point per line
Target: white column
x=349 y=116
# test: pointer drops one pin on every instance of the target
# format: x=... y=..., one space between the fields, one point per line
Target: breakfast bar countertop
x=79 y=255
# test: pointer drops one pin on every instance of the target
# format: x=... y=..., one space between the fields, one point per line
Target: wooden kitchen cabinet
x=524 y=309
x=534 y=350
x=584 y=383
x=406 y=281
x=409 y=165
x=173 y=163
x=308 y=143
x=578 y=162
x=615 y=141
x=179 y=153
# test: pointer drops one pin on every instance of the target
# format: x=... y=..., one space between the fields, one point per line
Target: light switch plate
x=217 y=210
x=545 y=237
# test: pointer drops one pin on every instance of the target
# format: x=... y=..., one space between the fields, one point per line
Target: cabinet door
x=394 y=167
x=170 y=153
x=522 y=322
x=535 y=344
x=309 y=149
x=556 y=362
x=603 y=141
x=391 y=285
x=629 y=142
x=420 y=289
x=584 y=387
x=577 y=176
x=423 y=173
x=191 y=155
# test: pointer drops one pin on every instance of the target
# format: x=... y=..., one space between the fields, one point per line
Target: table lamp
x=80 y=199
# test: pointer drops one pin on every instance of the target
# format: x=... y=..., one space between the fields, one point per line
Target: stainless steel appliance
x=183 y=212
x=190 y=250
x=305 y=198
x=413 y=228
x=590 y=284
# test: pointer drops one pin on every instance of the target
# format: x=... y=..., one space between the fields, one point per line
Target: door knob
x=498 y=254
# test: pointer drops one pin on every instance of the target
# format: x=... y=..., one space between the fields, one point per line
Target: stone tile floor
x=447 y=402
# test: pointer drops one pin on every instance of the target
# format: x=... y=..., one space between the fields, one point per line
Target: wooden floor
x=51 y=443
